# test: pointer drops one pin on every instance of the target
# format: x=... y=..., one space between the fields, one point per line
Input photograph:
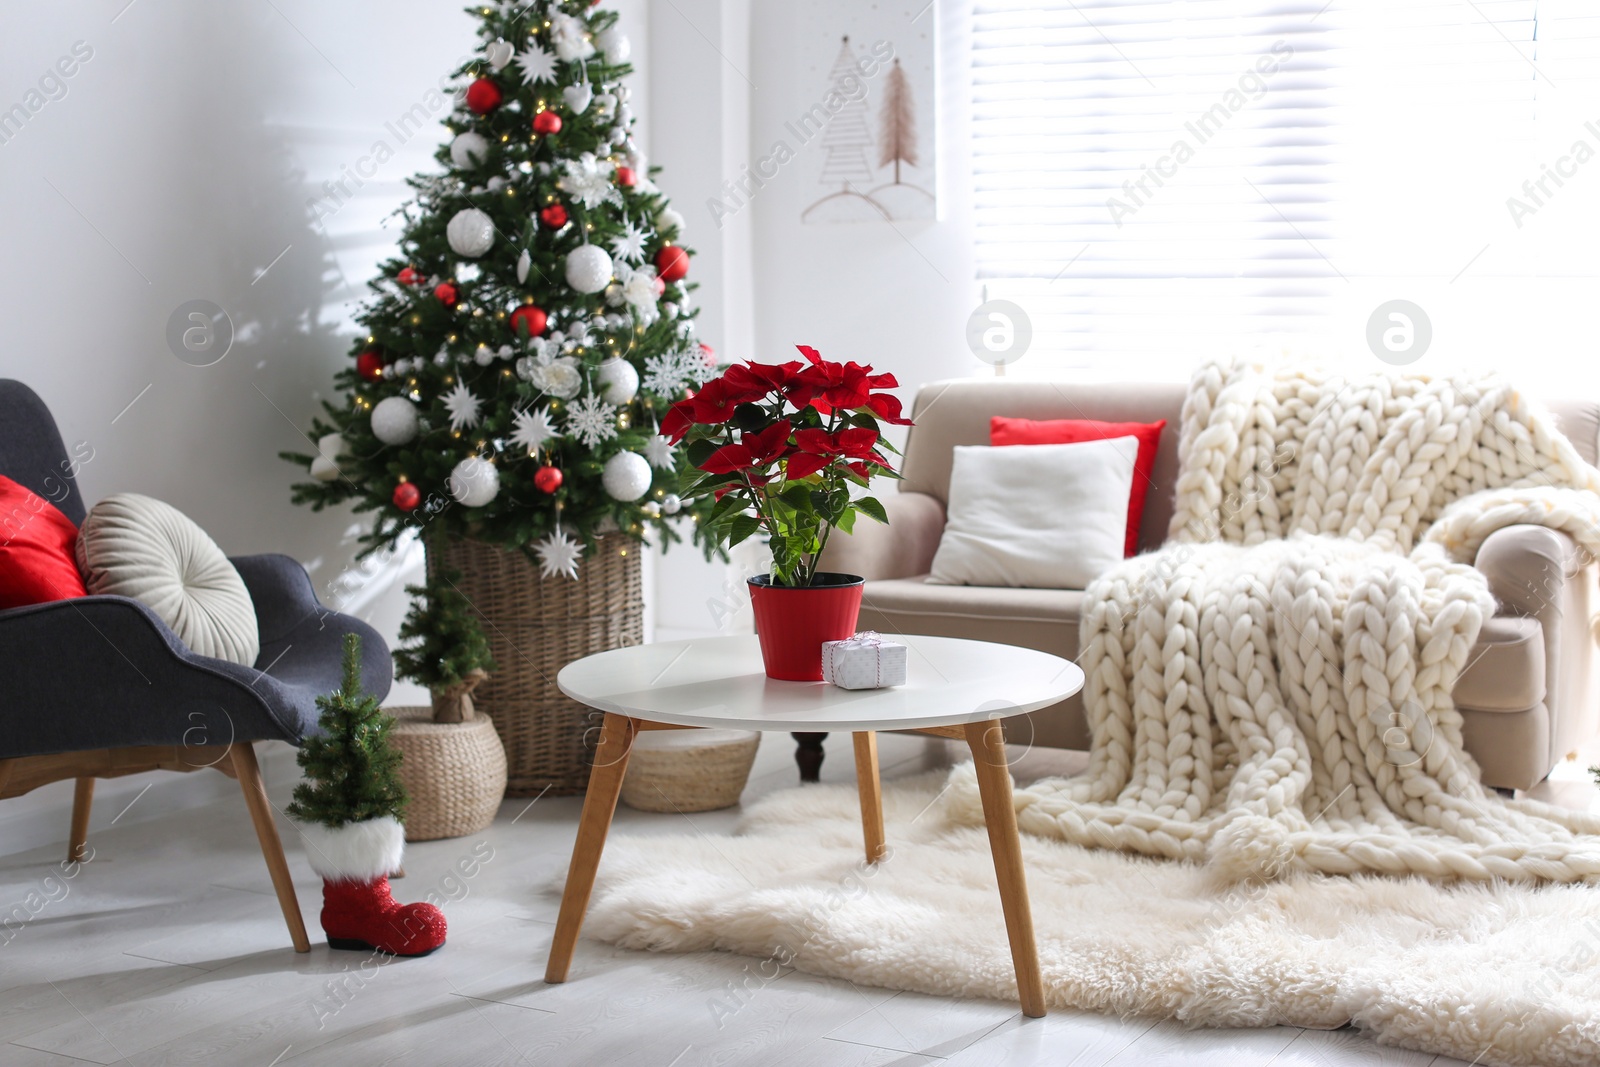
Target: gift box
x=865 y=661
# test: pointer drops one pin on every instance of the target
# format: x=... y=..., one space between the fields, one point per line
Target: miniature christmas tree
x=446 y=650
x=899 y=122
x=517 y=354
x=351 y=770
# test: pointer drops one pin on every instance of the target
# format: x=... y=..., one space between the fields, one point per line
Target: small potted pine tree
x=455 y=764
x=348 y=810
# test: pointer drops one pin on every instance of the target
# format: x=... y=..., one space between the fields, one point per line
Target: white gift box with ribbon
x=865 y=661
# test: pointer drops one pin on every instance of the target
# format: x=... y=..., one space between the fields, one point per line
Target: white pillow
x=1036 y=516
x=133 y=546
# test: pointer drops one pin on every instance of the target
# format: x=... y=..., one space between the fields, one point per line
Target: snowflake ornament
x=464 y=408
x=587 y=180
x=658 y=450
x=537 y=65
x=558 y=554
x=667 y=374
x=629 y=244
x=533 y=429
x=591 y=420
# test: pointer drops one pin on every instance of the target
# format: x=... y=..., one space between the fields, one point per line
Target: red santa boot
x=355 y=861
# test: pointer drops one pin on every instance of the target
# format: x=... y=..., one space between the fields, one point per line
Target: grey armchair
x=99 y=687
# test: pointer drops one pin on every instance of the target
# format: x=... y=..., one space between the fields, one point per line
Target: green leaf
x=741 y=528
x=700 y=451
x=871 y=506
x=847 y=521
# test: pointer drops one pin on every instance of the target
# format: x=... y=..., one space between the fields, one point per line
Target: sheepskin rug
x=1492 y=973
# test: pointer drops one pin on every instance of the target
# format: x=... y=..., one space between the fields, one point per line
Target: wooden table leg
x=871 y=794
x=82 y=803
x=599 y=804
x=987 y=741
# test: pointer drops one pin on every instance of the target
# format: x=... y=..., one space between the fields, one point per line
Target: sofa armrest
x=1527 y=568
x=902 y=549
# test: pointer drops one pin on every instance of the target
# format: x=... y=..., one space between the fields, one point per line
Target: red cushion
x=37 y=546
x=1004 y=431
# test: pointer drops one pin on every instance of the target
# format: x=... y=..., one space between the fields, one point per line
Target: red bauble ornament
x=483 y=96
x=529 y=317
x=672 y=263
x=406 y=496
x=625 y=177
x=547 y=479
x=546 y=122
x=408 y=276
x=554 y=216
x=369 y=365
x=447 y=294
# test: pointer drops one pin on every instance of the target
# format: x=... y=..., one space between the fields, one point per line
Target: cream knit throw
x=1271 y=689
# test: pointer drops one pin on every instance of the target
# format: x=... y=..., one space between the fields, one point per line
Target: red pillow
x=1004 y=431
x=37 y=549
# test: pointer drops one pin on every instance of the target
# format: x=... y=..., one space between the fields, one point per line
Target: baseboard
x=41 y=818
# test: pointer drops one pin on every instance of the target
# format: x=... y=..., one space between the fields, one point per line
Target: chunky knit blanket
x=1271 y=690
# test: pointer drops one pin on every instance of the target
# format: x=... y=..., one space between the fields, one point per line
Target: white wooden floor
x=169 y=949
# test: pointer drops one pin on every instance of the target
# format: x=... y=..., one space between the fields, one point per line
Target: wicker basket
x=688 y=770
x=535 y=627
x=454 y=773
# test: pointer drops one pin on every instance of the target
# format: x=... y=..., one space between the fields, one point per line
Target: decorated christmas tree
x=351 y=770
x=445 y=650
x=518 y=352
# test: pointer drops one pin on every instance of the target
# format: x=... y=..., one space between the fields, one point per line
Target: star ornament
x=465 y=409
x=658 y=450
x=629 y=244
x=558 y=554
x=533 y=429
x=537 y=65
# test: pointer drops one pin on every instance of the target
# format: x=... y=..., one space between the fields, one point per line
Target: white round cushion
x=133 y=546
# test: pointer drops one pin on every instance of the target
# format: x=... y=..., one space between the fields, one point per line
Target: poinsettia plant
x=780 y=445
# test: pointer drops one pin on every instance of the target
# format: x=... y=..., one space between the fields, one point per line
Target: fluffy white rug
x=1492 y=973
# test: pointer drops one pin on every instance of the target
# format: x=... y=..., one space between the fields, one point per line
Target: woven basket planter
x=536 y=626
x=688 y=770
x=454 y=773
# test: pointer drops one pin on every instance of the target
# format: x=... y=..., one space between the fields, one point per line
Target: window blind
x=1160 y=181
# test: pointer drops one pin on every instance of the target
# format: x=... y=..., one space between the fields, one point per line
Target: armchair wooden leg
x=82 y=803
x=255 y=798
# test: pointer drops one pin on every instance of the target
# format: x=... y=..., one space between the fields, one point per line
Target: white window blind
x=1159 y=182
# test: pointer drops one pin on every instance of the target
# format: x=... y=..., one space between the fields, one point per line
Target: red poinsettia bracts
x=753 y=450
x=779 y=444
x=818 y=448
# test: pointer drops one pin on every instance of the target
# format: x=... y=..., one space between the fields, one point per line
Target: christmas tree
x=351 y=770
x=516 y=356
x=899 y=134
x=446 y=651
x=847 y=137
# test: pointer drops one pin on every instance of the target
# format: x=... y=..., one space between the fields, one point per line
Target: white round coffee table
x=954 y=688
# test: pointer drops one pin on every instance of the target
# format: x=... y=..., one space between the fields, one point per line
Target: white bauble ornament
x=626 y=476
x=588 y=268
x=469 y=149
x=394 y=420
x=499 y=54
x=670 y=504
x=669 y=219
x=483 y=355
x=617 y=381
x=615 y=45
x=578 y=97
x=474 y=482
x=651 y=508
x=470 y=232
x=524 y=261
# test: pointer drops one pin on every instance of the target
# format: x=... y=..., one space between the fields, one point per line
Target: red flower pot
x=793 y=621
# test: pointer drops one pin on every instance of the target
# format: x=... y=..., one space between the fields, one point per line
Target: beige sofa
x=1531 y=695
